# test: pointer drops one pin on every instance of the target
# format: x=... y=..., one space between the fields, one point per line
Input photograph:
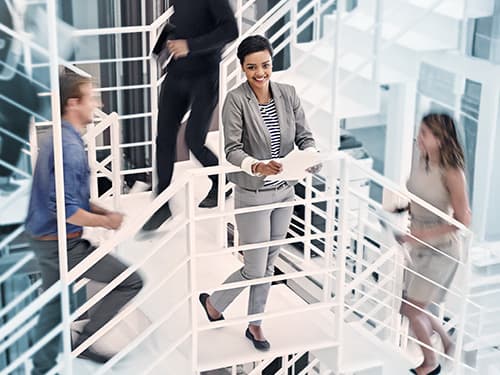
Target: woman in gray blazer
x=262 y=120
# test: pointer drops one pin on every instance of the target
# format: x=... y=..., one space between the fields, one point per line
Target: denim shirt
x=42 y=214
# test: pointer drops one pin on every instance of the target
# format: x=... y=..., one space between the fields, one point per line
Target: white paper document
x=295 y=165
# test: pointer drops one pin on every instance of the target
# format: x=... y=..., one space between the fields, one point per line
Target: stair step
x=314 y=94
x=349 y=62
x=431 y=31
x=455 y=8
x=300 y=332
x=362 y=351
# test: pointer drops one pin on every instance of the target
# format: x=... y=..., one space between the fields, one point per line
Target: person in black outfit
x=202 y=29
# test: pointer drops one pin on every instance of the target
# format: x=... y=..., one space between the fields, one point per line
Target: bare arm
x=96 y=209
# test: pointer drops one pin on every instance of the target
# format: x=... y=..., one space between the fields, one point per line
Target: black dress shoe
x=203 y=300
x=211 y=199
x=436 y=371
x=158 y=218
x=259 y=345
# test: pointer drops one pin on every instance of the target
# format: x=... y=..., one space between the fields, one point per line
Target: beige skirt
x=435 y=266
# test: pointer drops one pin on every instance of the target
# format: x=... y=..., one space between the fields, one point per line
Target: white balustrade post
x=153 y=73
x=239 y=13
x=33 y=139
x=317 y=20
x=463 y=32
x=343 y=244
x=464 y=292
x=92 y=159
x=293 y=20
x=116 y=160
x=222 y=232
x=330 y=193
x=191 y=245
x=59 y=182
x=307 y=218
x=334 y=135
x=377 y=39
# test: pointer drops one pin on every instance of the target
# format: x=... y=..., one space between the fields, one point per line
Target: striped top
x=270 y=118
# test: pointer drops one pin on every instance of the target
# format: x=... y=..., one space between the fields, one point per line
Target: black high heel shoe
x=436 y=371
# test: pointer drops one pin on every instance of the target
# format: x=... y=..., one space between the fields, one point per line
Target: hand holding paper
x=295 y=165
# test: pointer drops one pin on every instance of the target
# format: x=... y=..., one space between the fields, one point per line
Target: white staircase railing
x=334 y=269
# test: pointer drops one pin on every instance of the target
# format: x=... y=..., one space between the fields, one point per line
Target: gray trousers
x=103 y=271
x=254 y=227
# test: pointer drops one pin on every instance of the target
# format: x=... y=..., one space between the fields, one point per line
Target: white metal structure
x=347 y=310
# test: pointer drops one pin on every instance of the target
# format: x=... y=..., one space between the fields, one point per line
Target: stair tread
x=350 y=61
x=296 y=333
x=315 y=91
x=357 y=340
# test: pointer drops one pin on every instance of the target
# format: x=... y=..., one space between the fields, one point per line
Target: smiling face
x=258 y=68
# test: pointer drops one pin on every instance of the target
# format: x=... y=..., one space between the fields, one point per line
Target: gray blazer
x=246 y=134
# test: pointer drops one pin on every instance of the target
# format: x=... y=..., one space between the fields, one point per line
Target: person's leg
x=253 y=227
x=279 y=221
x=422 y=328
x=172 y=106
x=104 y=271
x=437 y=326
x=50 y=315
x=205 y=91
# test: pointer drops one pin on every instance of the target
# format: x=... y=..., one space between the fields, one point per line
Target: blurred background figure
x=202 y=29
x=437 y=176
x=77 y=108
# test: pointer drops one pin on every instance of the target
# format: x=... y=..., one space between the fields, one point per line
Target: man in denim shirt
x=77 y=107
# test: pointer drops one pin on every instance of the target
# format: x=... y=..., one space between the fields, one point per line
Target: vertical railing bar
x=341 y=255
x=377 y=39
x=59 y=182
x=467 y=241
x=191 y=242
x=116 y=160
x=153 y=73
x=307 y=219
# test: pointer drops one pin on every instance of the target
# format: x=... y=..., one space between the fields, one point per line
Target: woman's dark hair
x=443 y=127
x=252 y=44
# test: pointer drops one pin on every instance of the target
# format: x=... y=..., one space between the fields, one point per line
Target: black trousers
x=13 y=118
x=178 y=94
x=103 y=271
